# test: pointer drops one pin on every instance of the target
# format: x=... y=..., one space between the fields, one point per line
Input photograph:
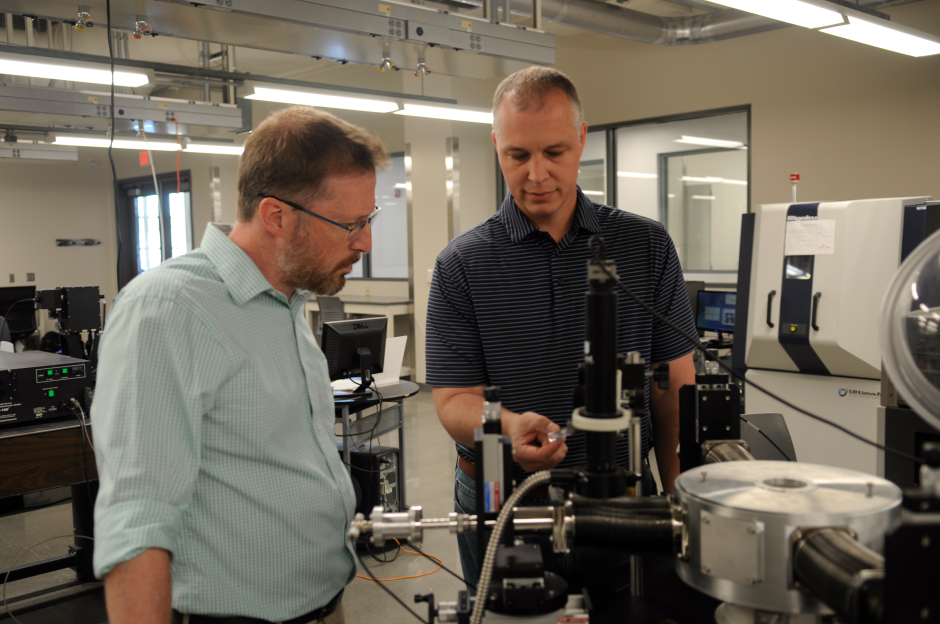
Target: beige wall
x=854 y=120
x=45 y=200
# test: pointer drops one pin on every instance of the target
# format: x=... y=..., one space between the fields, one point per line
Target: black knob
x=491 y=393
x=931 y=454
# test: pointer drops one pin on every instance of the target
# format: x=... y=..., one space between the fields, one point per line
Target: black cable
x=766 y=437
x=5 y=323
x=385 y=558
x=114 y=184
x=443 y=567
x=85 y=440
x=389 y=592
x=698 y=345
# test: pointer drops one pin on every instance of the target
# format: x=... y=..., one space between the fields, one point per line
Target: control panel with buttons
x=36 y=386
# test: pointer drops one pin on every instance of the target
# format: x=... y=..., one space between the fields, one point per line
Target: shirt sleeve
x=146 y=422
x=672 y=301
x=453 y=349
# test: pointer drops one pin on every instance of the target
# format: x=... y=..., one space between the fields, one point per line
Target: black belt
x=313 y=616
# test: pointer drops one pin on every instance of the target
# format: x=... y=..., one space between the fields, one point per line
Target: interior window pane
x=389 y=257
x=592 y=174
x=692 y=176
x=180 y=230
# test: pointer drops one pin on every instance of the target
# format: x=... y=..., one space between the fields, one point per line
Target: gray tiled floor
x=429 y=464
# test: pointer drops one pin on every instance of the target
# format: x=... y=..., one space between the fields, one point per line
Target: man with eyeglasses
x=223 y=499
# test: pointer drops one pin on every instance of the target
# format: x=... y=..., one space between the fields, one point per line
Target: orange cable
x=402 y=578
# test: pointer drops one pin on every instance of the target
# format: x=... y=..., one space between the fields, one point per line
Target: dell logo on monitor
x=360 y=326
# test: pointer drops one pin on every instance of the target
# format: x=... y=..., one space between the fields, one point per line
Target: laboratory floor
x=429 y=464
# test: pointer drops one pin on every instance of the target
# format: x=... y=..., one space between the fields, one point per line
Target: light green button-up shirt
x=213 y=426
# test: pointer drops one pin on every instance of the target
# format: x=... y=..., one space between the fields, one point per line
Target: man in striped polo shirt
x=507 y=308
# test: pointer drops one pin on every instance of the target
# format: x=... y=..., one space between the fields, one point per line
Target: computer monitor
x=355 y=348
x=716 y=311
x=21 y=320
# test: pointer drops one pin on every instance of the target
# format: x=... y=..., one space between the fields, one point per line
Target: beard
x=303 y=268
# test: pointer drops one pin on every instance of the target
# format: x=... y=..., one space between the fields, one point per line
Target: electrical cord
x=440 y=564
x=5 y=323
x=698 y=345
x=17 y=560
x=451 y=572
x=86 y=439
x=114 y=183
x=390 y=593
x=766 y=437
x=164 y=252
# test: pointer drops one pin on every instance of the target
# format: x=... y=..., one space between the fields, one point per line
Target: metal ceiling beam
x=199 y=72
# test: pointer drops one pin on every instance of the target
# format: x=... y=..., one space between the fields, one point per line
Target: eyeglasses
x=352 y=231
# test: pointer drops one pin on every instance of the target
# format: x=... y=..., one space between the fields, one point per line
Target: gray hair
x=531 y=86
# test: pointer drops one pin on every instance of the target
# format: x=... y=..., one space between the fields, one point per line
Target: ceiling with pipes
x=187 y=45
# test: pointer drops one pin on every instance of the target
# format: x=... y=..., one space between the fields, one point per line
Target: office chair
x=331 y=309
x=774 y=427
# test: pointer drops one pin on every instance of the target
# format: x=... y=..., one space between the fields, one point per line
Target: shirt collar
x=518 y=225
x=239 y=272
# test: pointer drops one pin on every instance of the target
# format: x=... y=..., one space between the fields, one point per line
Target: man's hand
x=461 y=411
x=530 y=446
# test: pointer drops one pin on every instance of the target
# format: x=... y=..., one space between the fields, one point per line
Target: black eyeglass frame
x=352 y=230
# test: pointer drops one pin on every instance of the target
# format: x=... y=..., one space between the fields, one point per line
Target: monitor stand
x=365 y=371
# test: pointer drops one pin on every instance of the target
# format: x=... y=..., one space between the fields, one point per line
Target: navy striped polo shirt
x=507 y=308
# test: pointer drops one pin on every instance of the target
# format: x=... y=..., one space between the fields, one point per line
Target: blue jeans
x=581 y=567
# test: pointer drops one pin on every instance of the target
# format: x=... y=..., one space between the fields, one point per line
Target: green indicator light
x=65 y=371
x=52 y=393
x=48 y=372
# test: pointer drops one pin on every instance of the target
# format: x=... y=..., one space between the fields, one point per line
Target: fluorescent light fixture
x=714 y=180
x=118 y=143
x=402 y=185
x=322 y=100
x=886 y=37
x=451 y=114
x=790 y=11
x=210 y=148
x=710 y=142
x=708 y=197
x=10 y=64
x=592 y=192
x=633 y=174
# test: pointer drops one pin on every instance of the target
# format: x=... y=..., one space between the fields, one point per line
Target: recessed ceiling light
x=790 y=11
x=884 y=37
x=90 y=73
x=322 y=100
x=633 y=174
x=210 y=148
x=451 y=114
x=710 y=142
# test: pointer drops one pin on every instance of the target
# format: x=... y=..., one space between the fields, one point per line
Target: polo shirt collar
x=518 y=225
x=238 y=271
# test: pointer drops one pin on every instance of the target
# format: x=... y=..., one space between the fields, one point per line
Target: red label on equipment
x=143 y=159
x=794 y=177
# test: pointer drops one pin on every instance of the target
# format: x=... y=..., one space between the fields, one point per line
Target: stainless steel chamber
x=742 y=517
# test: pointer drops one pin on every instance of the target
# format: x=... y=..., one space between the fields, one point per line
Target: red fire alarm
x=144 y=161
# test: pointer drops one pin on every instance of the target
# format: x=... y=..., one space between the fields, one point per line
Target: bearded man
x=222 y=496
